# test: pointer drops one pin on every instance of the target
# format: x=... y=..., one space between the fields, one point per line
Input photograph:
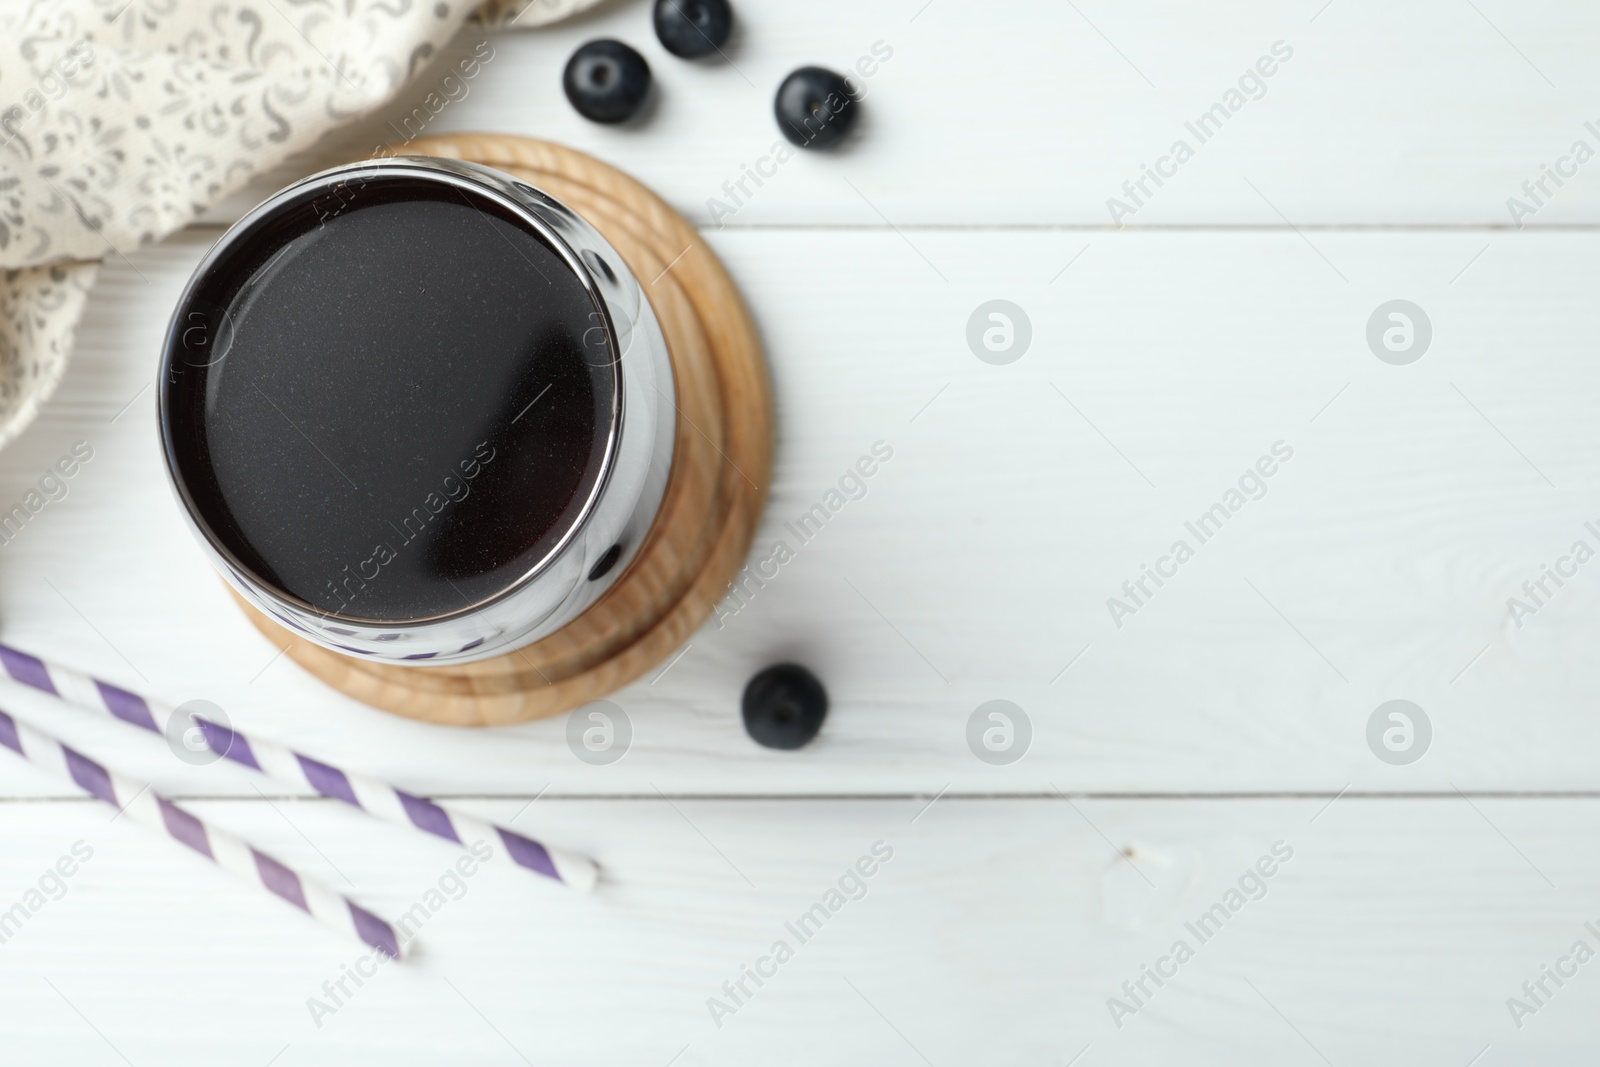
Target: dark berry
x=784 y=706
x=693 y=28
x=606 y=81
x=815 y=107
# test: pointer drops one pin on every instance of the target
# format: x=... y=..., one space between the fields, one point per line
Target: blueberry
x=784 y=706
x=815 y=107
x=693 y=28
x=606 y=81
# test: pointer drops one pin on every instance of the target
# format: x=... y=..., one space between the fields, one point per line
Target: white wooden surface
x=1167 y=355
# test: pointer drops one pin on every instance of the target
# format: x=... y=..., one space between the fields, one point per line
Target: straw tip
x=578 y=872
x=376 y=932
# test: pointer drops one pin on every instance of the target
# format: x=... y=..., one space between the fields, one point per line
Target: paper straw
x=228 y=851
x=376 y=798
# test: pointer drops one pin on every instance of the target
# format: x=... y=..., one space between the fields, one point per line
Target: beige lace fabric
x=121 y=120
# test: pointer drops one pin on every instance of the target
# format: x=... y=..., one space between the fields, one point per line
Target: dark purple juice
x=390 y=403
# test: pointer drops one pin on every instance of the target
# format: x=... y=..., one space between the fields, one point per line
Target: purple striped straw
x=376 y=798
x=232 y=853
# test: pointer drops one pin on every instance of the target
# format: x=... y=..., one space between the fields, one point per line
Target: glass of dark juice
x=417 y=410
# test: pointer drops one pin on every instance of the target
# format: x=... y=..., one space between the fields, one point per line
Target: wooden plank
x=995 y=934
x=1019 y=498
x=1035 y=113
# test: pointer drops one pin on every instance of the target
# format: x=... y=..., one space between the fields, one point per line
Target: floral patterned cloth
x=121 y=120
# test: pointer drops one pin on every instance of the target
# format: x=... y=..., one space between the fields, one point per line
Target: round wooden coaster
x=714 y=495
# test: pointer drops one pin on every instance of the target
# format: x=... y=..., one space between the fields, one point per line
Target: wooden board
x=718 y=482
x=994 y=937
x=1432 y=112
x=992 y=539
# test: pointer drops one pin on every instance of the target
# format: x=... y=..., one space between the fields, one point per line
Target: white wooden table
x=1227 y=714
